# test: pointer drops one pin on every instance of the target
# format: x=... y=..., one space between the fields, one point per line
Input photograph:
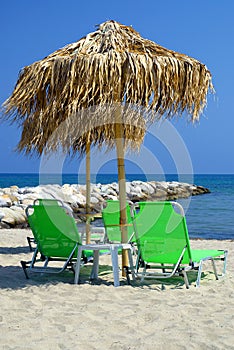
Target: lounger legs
x=23 y=264
x=225 y=262
x=199 y=274
x=214 y=268
x=131 y=264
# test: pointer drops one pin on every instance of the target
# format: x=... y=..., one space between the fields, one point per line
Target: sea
x=208 y=216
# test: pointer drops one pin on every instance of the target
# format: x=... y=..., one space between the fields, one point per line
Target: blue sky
x=30 y=30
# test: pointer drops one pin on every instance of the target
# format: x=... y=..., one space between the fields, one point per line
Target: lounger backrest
x=43 y=201
x=111 y=220
x=55 y=232
x=161 y=233
x=53 y=202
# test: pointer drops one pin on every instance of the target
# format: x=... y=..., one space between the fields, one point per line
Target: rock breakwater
x=14 y=200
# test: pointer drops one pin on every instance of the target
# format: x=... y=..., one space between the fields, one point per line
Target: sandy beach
x=50 y=312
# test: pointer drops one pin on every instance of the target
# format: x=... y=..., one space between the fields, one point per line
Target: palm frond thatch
x=112 y=65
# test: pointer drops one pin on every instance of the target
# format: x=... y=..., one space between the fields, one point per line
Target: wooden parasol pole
x=88 y=193
x=122 y=184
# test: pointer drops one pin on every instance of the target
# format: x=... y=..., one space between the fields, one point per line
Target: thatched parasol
x=103 y=88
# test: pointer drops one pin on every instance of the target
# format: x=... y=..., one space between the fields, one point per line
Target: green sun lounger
x=163 y=243
x=111 y=220
x=56 y=237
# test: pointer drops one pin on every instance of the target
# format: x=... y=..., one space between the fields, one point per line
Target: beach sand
x=50 y=312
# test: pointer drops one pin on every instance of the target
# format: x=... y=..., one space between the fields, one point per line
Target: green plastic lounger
x=163 y=243
x=111 y=220
x=58 y=239
x=56 y=236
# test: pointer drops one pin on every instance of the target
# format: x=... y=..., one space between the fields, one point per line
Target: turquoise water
x=212 y=215
x=209 y=216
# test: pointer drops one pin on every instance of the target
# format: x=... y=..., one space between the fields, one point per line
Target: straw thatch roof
x=71 y=96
